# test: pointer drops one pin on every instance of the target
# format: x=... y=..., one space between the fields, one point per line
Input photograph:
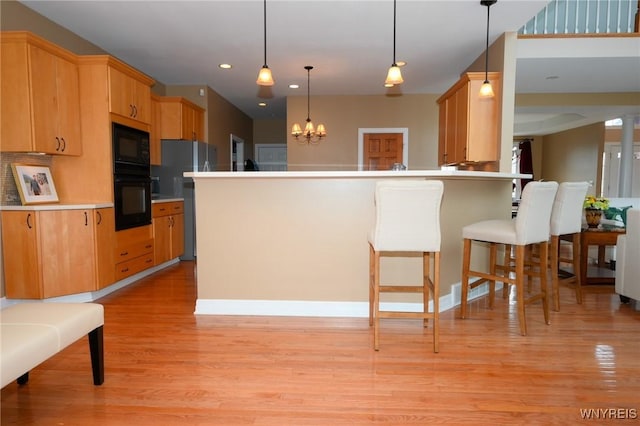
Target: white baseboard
x=91 y=296
x=305 y=308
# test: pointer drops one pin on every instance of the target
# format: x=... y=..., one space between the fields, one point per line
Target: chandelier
x=264 y=75
x=394 y=76
x=310 y=134
x=486 y=91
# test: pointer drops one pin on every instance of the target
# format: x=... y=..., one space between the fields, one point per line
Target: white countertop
x=450 y=174
x=166 y=199
x=39 y=207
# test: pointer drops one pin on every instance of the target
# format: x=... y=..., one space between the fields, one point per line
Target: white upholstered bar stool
x=407 y=220
x=566 y=222
x=530 y=226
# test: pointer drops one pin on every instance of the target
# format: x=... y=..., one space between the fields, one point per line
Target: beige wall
x=270 y=131
x=574 y=155
x=344 y=115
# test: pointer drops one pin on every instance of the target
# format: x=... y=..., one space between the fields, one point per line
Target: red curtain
x=526 y=161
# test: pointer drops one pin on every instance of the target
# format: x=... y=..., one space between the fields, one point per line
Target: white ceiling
x=349 y=43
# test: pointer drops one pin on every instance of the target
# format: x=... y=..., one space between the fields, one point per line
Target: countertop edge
x=41 y=207
x=450 y=174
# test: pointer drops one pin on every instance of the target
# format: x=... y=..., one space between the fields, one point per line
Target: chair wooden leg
x=544 y=268
x=464 y=282
x=576 y=266
x=425 y=285
x=555 y=285
x=520 y=284
x=506 y=270
x=376 y=301
x=436 y=301
x=493 y=249
x=371 y=283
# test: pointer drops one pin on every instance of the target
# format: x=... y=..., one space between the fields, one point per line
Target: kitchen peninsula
x=295 y=243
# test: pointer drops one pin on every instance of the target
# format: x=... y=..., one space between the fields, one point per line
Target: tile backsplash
x=9 y=195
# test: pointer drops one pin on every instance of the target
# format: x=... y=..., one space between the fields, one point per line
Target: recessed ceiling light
x=225 y=66
x=294 y=86
x=262 y=104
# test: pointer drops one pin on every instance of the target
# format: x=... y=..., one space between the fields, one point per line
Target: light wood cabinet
x=40 y=108
x=469 y=125
x=155 y=144
x=129 y=97
x=168 y=230
x=52 y=253
x=133 y=251
x=181 y=119
x=105 y=240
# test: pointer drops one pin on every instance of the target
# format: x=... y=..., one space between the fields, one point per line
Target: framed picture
x=35 y=184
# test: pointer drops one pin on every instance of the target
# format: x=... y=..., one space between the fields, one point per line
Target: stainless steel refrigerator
x=180 y=156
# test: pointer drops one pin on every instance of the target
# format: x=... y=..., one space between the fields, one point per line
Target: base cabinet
x=52 y=253
x=134 y=251
x=168 y=231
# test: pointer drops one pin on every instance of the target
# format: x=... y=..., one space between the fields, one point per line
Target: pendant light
x=310 y=134
x=264 y=76
x=486 y=91
x=394 y=76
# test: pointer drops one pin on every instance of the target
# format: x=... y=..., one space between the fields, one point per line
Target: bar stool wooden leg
x=493 y=249
x=426 y=286
x=520 y=253
x=555 y=285
x=544 y=267
x=464 y=284
x=436 y=301
x=376 y=301
x=371 y=283
x=575 y=239
x=506 y=270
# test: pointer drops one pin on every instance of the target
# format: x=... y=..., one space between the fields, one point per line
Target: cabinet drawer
x=166 y=209
x=133 y=266
x=133 y=250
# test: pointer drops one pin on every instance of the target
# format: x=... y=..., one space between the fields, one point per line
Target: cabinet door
x=67 y=251
x=155 y=144
x=461 y=124
x=129 y=97
x=44 y=92
x=68 y=96
x=22 y=272
x=141 y=100
x=177 y=235
x=188 y=130
x=55 y=104
x=104 y=242
x=161 y=239
x=198 y=126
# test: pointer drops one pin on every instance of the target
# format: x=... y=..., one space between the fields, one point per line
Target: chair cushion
x=497 y=231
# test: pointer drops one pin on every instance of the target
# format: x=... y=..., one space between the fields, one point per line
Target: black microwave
x=130 y=148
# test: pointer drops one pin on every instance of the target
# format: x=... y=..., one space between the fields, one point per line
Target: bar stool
x=566 y=221
x=407 y=220
x=530 y=226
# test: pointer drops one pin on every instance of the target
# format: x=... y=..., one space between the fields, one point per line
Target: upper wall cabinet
x=468 y=125
x=129 y=90
x=40 y=108
x=181 y=119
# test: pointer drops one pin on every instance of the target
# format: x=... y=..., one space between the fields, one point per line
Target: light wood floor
x=166 y=366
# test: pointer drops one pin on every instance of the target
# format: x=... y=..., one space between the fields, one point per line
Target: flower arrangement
x=594 y=203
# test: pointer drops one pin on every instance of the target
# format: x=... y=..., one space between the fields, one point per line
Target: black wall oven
x=131 y=177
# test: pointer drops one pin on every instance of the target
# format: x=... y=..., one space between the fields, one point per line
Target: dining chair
x=407 y=219
x=566 y=223
x=530 y=226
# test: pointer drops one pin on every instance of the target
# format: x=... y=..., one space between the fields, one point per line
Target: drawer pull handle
x=124 y=270
x=124 y=253
x=29 y=221
x=149 y=261
x=148 y=246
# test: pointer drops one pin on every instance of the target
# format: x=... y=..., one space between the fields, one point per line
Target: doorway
x=237 y=153
x=379 y=148
x=611 y=170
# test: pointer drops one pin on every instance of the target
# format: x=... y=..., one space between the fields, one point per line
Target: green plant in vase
x=593 y=208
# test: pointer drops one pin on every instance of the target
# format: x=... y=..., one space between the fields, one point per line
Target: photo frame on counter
x=35 y=184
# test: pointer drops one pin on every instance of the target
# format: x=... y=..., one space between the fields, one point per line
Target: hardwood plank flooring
x=166 y=366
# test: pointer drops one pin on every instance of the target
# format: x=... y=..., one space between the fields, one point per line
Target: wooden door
x=68 y=95
x=161 y=239
x=177 y=235
x=104 y=242
x=188 y=116
x=120 y=93
x=381 y=150
x=20 y=250
x=461 y=123
x=44 y=94
x=67 y=249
